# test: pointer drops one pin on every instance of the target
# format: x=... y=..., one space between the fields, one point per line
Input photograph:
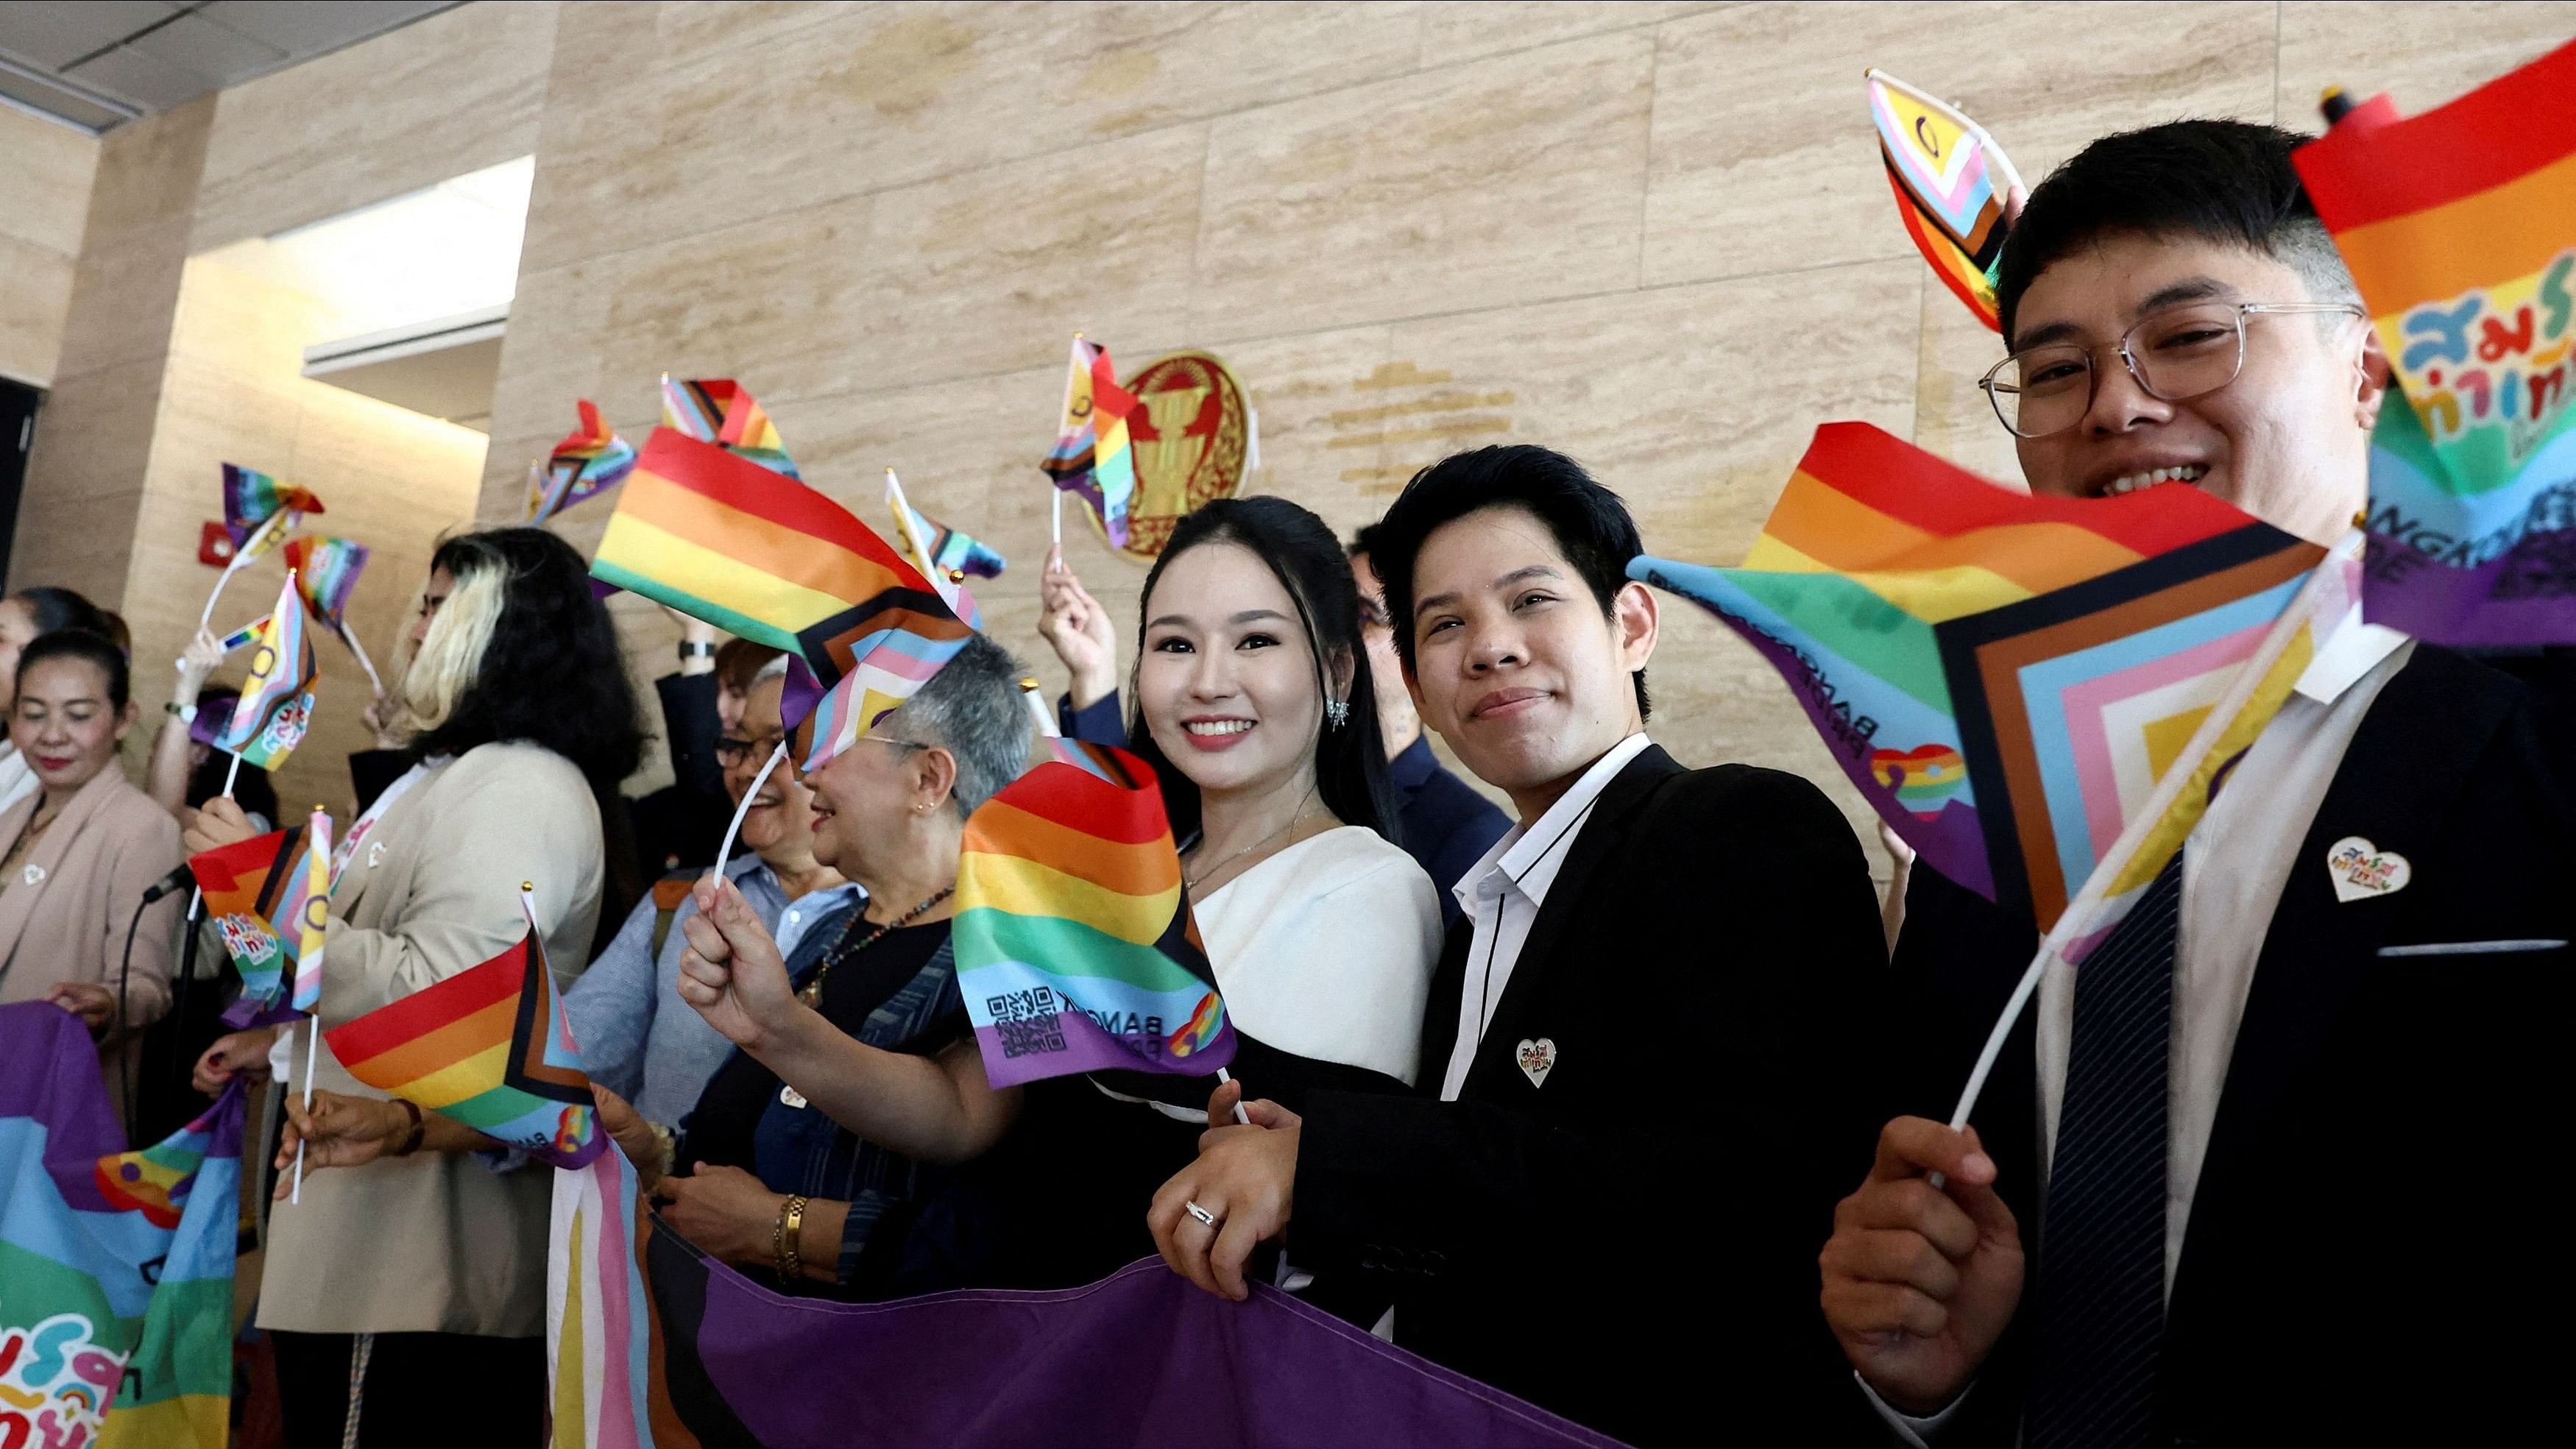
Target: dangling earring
x=1337 y=712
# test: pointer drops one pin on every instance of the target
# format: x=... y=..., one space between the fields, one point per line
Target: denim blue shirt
x=638 y=1038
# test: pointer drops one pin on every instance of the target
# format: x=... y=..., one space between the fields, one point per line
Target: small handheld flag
x=1076 y=950
x=590 y=460
x=2004 y=677
x=2459 y=226
x=251 y=888
x=720 y=411
x=276 y=702
x=1951 y=182
x=326 y=573
x=252 y=498
x=1092 y=458
x=488 y=1047
x=304 y=910
x=912 y=534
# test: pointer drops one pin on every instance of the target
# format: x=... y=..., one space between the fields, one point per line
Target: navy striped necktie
x=2101 y=1281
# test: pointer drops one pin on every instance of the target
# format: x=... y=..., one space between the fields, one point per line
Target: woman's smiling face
x=1226 y=678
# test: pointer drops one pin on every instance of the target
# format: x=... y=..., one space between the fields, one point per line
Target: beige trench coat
x=437 y=1243
x=65 y=909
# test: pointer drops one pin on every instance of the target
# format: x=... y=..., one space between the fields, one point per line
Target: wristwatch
x=184 y=713
x=696 y=649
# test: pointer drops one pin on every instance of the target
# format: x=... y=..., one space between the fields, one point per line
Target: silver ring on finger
x=1206 y=1218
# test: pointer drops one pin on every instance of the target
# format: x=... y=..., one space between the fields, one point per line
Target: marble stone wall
x=1654 y=235
x=45 y=173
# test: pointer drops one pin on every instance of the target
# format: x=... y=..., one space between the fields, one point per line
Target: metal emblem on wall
x=1192 y=438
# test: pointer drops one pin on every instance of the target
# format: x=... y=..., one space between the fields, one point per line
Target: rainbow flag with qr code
x=116 y=1266
x=2006 y=678
x=1076 y=950
x=1950 y=180
x=2460 y=229
x=488 y=1047
x=1092 y=457
x=590 y=460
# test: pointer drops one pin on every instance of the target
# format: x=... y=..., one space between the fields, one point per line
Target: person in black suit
x=1446 y=826
x=2258 y=1171
x=1608 y=1192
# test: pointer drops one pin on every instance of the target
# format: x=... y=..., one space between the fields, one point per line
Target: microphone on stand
x=176 y=881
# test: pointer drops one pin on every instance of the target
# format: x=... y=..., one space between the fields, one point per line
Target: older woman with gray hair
x=857 y=1092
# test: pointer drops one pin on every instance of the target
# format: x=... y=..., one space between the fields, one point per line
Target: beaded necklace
x=843 y=947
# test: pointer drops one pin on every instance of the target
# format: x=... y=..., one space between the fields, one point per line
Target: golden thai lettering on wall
x=1192 y=440
x=1413 y=418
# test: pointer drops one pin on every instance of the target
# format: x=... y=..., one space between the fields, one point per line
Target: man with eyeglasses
x=2256 y=1172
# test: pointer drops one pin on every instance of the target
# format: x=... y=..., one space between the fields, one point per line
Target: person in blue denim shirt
x=827 y=1190
x=636 y=1036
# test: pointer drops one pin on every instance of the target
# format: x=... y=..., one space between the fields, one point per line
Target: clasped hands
x=1245 y=1179
x=1920 y=1281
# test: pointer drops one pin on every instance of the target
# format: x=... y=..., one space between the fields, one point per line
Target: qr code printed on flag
x=1028 y=1022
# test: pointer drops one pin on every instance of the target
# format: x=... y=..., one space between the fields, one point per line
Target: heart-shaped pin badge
x=2362 y=870
x=1537 y=1059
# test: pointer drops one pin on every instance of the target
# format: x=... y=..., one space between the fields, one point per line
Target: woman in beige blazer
x=82 y=848
x=422 y=1272
x=24 y=616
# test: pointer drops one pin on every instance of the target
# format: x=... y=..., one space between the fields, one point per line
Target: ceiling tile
x=145 y=80
x=54 y=35
x=309 y=27
x=201 y=48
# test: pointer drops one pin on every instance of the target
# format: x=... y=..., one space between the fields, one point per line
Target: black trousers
x=416 y=1389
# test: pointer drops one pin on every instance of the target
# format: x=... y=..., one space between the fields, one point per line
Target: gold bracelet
x=783 y=1238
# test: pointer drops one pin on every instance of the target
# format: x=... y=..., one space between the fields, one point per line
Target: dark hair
x=2228 y=182
x=57 y=609
x=1364 y=541
x=1350 y=759
x=251 y=788
x=86 y=644
x=552 y=674
x=1589 y=523
x=739 y=662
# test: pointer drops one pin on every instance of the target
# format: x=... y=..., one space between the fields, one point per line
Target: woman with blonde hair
x=402 y=1278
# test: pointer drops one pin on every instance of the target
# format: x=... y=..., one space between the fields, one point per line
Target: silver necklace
x=1193 y=882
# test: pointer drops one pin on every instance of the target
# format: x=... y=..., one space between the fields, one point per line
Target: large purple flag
x=1140 y=1357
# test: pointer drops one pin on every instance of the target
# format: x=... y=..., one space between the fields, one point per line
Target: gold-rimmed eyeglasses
x=2178 y=353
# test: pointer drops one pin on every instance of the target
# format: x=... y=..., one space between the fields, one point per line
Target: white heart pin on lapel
x=2362 y=870
x=33 y=875
x=1537 y=1059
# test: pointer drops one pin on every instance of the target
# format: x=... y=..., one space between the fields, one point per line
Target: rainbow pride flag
x=326 y=573
x=1076 y=950
x=2007 y=678
x=760 y=555
x=590 y=460
x=719 y=411
x=2460 y=229
x=276 y=703
x=1092 y=458
x=488 y=1047
x=251 y=498
x=116 y=1267
x=1950 y=180
x=250 y=887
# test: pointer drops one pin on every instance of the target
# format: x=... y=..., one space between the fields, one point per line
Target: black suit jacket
x=2371 y=1252
x=1633 y=1242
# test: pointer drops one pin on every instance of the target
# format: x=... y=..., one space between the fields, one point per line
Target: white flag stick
x=1037 y=707
x=312 y=1051
x=1056 y=523
x=742 y=807
x=349 y=637
x=1240 y=1115
x=2077 y=920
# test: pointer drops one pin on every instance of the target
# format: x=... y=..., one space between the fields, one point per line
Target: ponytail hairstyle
x=1299 y=548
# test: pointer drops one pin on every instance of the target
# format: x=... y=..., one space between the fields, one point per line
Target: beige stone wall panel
x=2421 y=55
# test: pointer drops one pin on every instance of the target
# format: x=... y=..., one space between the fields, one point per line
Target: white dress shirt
x=2235 y=863
x=1501 y=895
